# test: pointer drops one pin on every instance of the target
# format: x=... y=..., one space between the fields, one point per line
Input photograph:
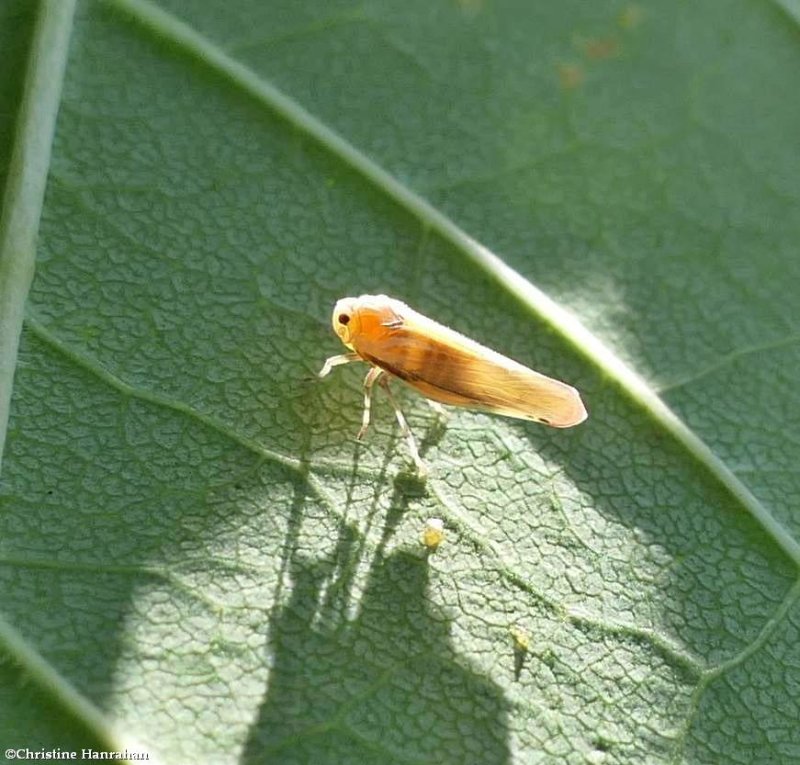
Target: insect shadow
x=373 y=656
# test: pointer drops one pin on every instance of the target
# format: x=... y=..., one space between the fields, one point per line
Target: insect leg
x=335 y=361
x=438 y=408
x=411 y=443
x=373 y=374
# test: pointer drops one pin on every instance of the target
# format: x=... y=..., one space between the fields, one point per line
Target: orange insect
x=444 y=366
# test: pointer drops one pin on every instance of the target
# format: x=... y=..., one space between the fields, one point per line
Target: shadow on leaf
x=384 y=687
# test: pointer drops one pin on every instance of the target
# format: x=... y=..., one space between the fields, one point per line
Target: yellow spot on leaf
x=630 y=17
x=570 y=76
x=433 y=533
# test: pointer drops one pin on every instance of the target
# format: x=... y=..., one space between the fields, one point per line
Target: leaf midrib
x=567 y=325
x=25 y=182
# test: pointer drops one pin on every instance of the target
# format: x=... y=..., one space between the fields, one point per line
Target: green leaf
x=197 y=561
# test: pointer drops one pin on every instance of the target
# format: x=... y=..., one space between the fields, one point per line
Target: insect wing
x=448 y=367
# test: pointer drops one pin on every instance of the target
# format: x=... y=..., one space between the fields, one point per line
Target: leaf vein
x=564 y=322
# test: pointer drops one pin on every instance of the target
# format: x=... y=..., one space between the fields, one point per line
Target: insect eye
x=344 y=319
